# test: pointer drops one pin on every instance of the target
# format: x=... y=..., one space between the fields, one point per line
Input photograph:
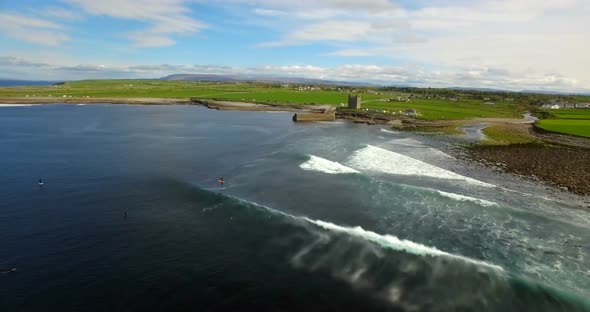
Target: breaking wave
x=385 y=266
x=458 y=197
x=372 y=158
x=385 y=241
x=17 y=105
x=327 y=166
x=392 y=242
x=389 y=131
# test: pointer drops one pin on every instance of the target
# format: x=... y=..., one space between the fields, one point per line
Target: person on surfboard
x=220 y=181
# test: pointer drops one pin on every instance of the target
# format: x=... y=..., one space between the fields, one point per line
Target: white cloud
x=268 y=12
x=34 y=30
x=61 y=13
x=311 y=5
x=538 y=37
x=499 y=43
x=12 y=61
x=326 y=31
x=24 y=21
x=469 y=76
x=165 y=18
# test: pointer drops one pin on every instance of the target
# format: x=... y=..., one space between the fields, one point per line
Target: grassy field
x=508 y=134
x=433 y=109
x=567 y=121
x=429 y=109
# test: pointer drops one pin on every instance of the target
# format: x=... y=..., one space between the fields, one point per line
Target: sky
x=505 y=44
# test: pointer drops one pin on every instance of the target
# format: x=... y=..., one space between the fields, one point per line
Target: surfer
x=40 y=182
x=221 y=181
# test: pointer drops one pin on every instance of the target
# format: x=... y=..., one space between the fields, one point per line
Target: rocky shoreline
x=564 y=167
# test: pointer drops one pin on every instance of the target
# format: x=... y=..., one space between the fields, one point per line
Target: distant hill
x=268 y=79
x=478 y=89
x=18 y=83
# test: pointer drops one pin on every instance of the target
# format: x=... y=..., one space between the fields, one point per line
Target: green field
x=569 y=113
x=428 y=109
x=567 y=121
x=567 y=126
x=507 y=134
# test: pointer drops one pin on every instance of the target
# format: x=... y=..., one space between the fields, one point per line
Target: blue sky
x=516 y=44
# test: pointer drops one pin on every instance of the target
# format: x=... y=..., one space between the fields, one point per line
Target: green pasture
x=569 y=113
x=580 y=127
x=567 y=121
x=507 y=134
x=429 y=109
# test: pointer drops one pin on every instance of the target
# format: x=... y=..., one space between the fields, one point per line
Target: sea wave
x=327 y=166
x=459 y=197
x=407 y=142
x=372 y=158
x=392 y=242
x=383 y=240
x=366 y=257
x=389 y=131
x=16 y=105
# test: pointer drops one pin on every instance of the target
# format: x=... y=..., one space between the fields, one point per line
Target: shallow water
x=313 y=216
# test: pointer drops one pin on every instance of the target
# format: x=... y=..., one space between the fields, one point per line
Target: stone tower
x=354 y=102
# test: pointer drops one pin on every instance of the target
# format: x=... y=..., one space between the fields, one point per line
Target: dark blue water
x=346 y=229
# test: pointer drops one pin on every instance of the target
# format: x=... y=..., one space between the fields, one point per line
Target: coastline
x=542 y=161
x=564 y=168
x=84 y=100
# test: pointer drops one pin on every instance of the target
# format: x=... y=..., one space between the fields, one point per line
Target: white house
x=411 y=112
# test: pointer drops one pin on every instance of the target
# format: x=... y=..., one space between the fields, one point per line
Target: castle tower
x=354 y=102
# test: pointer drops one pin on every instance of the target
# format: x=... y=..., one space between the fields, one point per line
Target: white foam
x=458 y=197
x=16 y=105
x=372 y=158
x=331 y=122
x=323 y=165
x=392 y=242
x=386 y=241
x=389 y=131
x=415 y=146
x=407 y=142
x=80 y=104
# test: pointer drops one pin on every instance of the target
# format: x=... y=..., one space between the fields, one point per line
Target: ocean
x=312 y=216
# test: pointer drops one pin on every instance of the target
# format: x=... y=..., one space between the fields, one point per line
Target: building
x=354 y=102
x=551 y=106
x=411 y=112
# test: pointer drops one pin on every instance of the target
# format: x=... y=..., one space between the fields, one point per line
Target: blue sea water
x=320 y=216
